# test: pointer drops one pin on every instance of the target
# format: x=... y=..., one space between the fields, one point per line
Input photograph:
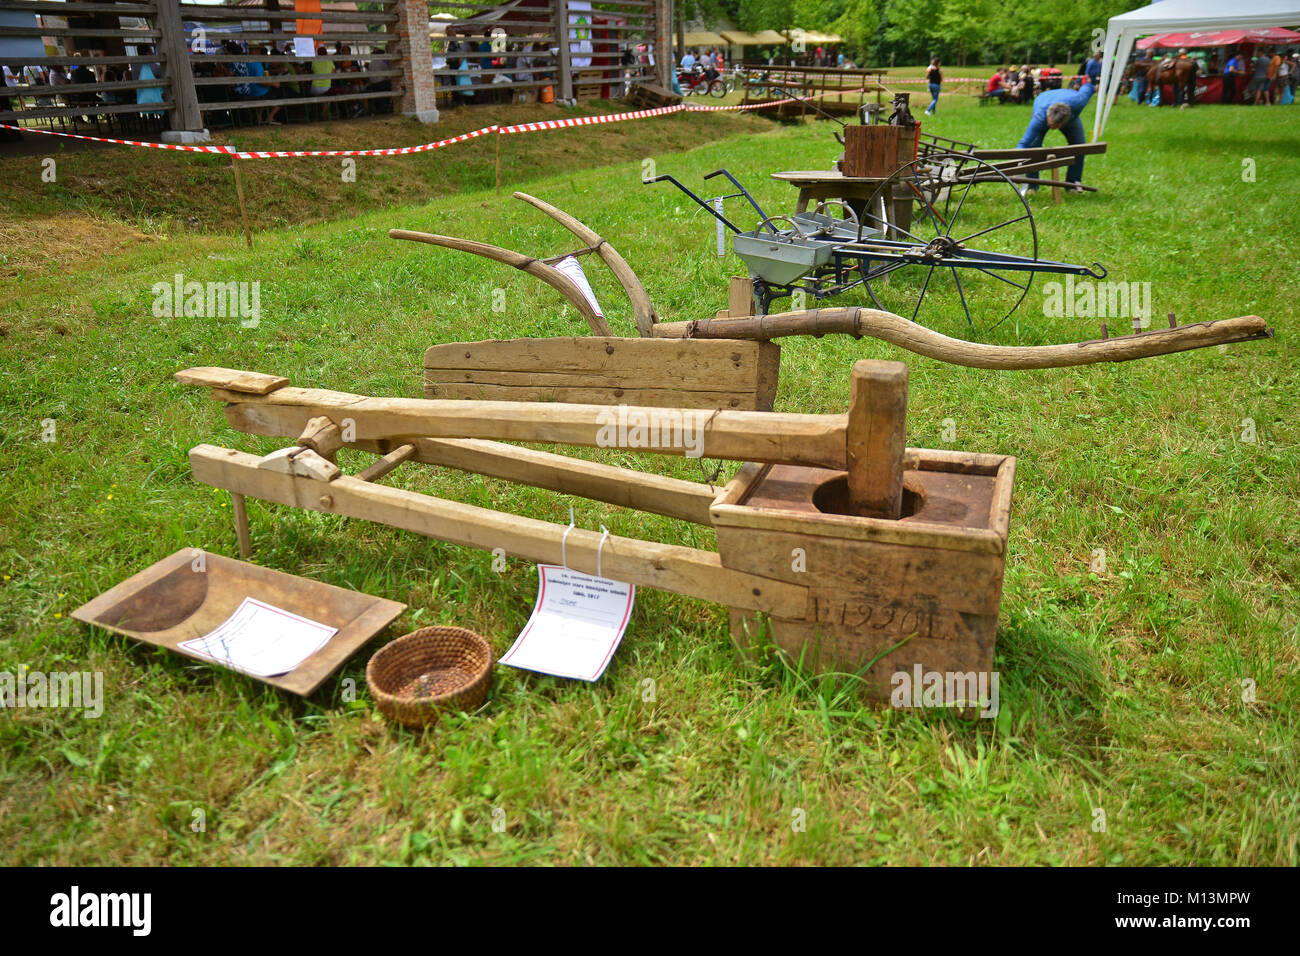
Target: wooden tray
x=170 y=602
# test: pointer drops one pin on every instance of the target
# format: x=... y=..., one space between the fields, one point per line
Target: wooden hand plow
x=739 y=323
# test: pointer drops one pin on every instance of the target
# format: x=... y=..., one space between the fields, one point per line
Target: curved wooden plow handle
x=643 y=311
x=917 y=338
x=534 y=267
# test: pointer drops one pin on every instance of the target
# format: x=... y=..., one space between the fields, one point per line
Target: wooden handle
x=642 y=310
x=778 y=437
x=917 y=338
x=876 y=438
x=534 y=267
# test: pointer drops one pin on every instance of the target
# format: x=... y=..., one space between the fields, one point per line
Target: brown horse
x=1178 y=72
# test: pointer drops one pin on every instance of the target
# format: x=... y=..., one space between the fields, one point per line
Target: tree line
x=884 y=32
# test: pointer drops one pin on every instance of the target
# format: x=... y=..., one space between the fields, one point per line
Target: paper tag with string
x=577 y=623
x=572 y=268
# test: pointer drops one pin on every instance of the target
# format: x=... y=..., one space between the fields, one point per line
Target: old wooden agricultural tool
x=861 y=553
x=850 y=550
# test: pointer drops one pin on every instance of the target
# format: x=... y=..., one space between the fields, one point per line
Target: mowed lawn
x=1157 y=696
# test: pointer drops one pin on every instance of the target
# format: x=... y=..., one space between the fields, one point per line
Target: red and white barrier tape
x=893 y=80
x=590 y=120
x=225 y=150
x=593 y=120
x=391 y=151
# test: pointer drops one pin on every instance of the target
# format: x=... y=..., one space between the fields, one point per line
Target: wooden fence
x=123 y=64
x=763 y=84
x=140 y=65
x=514 y=51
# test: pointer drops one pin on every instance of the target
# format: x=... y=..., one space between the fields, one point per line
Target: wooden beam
x=877 y=438
x=671 y=497
x=386 y=464
x=916 y=338
x=656 y=494
x=667 y=567
x=738 y=436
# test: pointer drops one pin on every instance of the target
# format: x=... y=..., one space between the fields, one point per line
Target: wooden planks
x=873 y=150
x=603 y=370
x=234 y=380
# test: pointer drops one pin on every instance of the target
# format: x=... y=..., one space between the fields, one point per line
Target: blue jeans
x=934 y=93
x=1073 y=131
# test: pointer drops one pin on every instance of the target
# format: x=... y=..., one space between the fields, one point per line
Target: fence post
x=419 y=86
x=564 y=92
x=185 y=119
x=663 y=44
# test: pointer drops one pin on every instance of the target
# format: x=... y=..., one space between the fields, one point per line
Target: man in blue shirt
x=1093 y=70
x=1059 y=109
x=1235 y=68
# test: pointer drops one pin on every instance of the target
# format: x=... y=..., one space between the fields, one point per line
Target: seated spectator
x=995 y=87
x=82 y=74
x=383 y=84
x=319 y=65
x=252 y=91
x=147 y=71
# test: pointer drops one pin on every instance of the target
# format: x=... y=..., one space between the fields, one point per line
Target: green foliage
x=910 y=31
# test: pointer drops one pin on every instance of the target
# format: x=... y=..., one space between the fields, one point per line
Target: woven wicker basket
x=416 y=677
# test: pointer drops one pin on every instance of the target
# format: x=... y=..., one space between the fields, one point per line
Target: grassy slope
x=1119 y=690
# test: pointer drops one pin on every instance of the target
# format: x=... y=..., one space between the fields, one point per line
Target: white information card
x=261 y=639
x=576 y=626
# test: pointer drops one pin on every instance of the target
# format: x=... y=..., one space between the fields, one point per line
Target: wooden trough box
x=922 y=589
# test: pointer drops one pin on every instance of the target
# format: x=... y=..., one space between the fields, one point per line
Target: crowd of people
x=45 y=86
x=308 y=79
x=1020 y=84
x=1266 y=76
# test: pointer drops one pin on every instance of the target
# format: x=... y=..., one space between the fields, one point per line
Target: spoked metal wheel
x=956 y=210
x=718 y=89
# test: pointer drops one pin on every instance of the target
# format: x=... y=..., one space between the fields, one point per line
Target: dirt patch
x=61 y=240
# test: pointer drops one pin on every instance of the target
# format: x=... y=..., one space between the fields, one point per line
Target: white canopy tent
x=1178 y=16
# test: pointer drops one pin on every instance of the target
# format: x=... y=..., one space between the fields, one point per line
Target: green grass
x=1120 y=690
